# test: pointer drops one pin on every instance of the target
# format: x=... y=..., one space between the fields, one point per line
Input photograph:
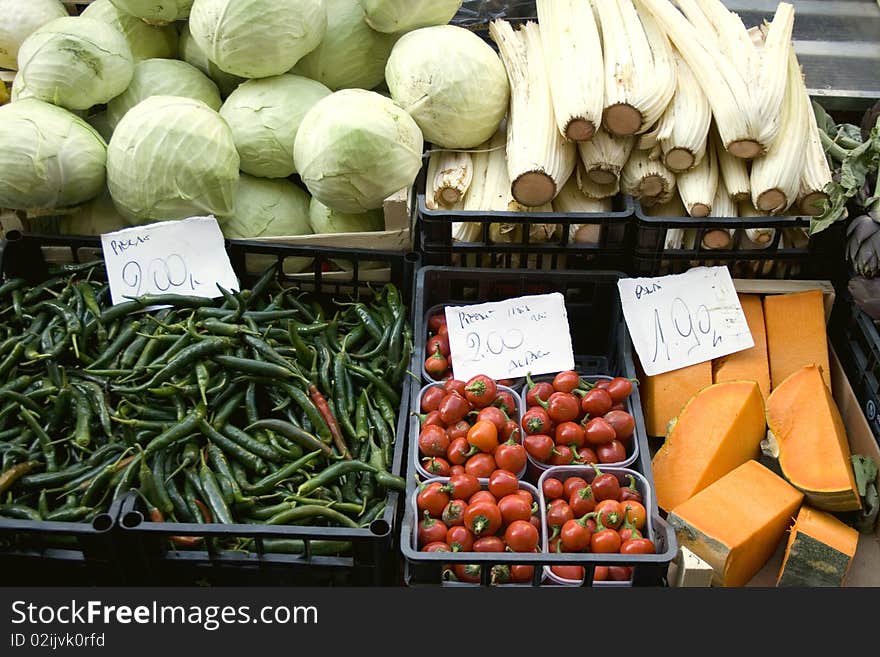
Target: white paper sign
x=508 y=339
x=684 y=319
x=173 y=257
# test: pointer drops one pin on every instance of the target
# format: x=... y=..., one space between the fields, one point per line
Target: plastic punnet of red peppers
x=265 y=406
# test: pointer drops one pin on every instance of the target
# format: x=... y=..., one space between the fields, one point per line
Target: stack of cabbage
x=264 y=113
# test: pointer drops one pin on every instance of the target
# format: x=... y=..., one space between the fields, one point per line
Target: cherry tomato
x=436 y=546
x=605 y=486
x=489 y=544
x=570 y=434
x=483 y=518
x=563 y=407
x=453 y=408
x=638 y=546
x=521 y=536
x=502 y=482
x=438 y=343
x=505 y=402
x=521 y=573
x=469 y=573
x=587 y=455
x=572 y=484
x=561 y=455
x=536 y=521
x=436 y=466
x=433 y=499
x=627 y=532
x=635 y=512
x=597 y=431
x=535 y=421
x=431 y=399
x=575 y=536
x=459 y=451
x=539 y=446
x=605 y=541
x=461 y=487
x=482 y=495
x=431 y=530
x=436 y=321
x=581 y=501
x=505 y=382
x=510 y=431
x=552 y=488
x=609 y=513
x=620 y=388
x=566 y=381
x=458 y=430
x=454 y=385
x=456 y=470
x=460 y=539
x=603 y=384
x=453 y=513
x=436 y=364
x=613 y=452
x=433 y=441
x=481 y=390
x=430 y=419
x=558 y=513
x=541 y=391
x=514 y=507
x=619 y=573
x=500 y=574
x=622 y=422
x=511 y=456
x=596 y=402
x=480 y=465
x=484 y=436
x=619 y=406
x=600 y=574
x=574 y=573
x=495 y=416
x=630 y=492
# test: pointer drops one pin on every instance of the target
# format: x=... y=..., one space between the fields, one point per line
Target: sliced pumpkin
x=819 y=552
x=720 y=428
x=796 y=334
x=664 y=395
x=809 y=439
x=749 y=364
x=736 y=524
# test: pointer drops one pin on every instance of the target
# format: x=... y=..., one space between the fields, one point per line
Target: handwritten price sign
x=508 y=339
x=681 y=320
x=173 y=257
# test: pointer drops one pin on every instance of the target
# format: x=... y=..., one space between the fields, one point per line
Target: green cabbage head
x=257 y=38
x=355 y=148
x=146 y=41
x=96 y=217
x=451 y=82
x=163 y=77
x=324 y=220
x=75 y=62
x=156 y=12
x=265 y=115
x=267 y=208
x=405 y=15
x=18 y=20
x=191 y=53
x=172 y=158
x=49 y=158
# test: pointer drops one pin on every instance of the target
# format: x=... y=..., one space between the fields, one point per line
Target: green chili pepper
x=214 y=495
x=309 y=512
x=182 y=429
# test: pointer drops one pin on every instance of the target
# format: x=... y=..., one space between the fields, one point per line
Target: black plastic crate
x=821 y=258
x=601 y=345
x=611 y=251
x=856 y=341
x=139 y=548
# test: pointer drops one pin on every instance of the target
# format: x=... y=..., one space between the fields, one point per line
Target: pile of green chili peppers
x=262 y=407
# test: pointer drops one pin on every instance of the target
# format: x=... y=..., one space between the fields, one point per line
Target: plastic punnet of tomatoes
x=569 y=419
x=598 y=511
x=468 y=426
x=437 y=363
x=471 y=519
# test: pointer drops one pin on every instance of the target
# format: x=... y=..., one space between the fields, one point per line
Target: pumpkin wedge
x=736 y=524
x=748 y=364
x=796 y=334
x=819 y=552
x=664 y=395
x=807 y=436
x=719 y=429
